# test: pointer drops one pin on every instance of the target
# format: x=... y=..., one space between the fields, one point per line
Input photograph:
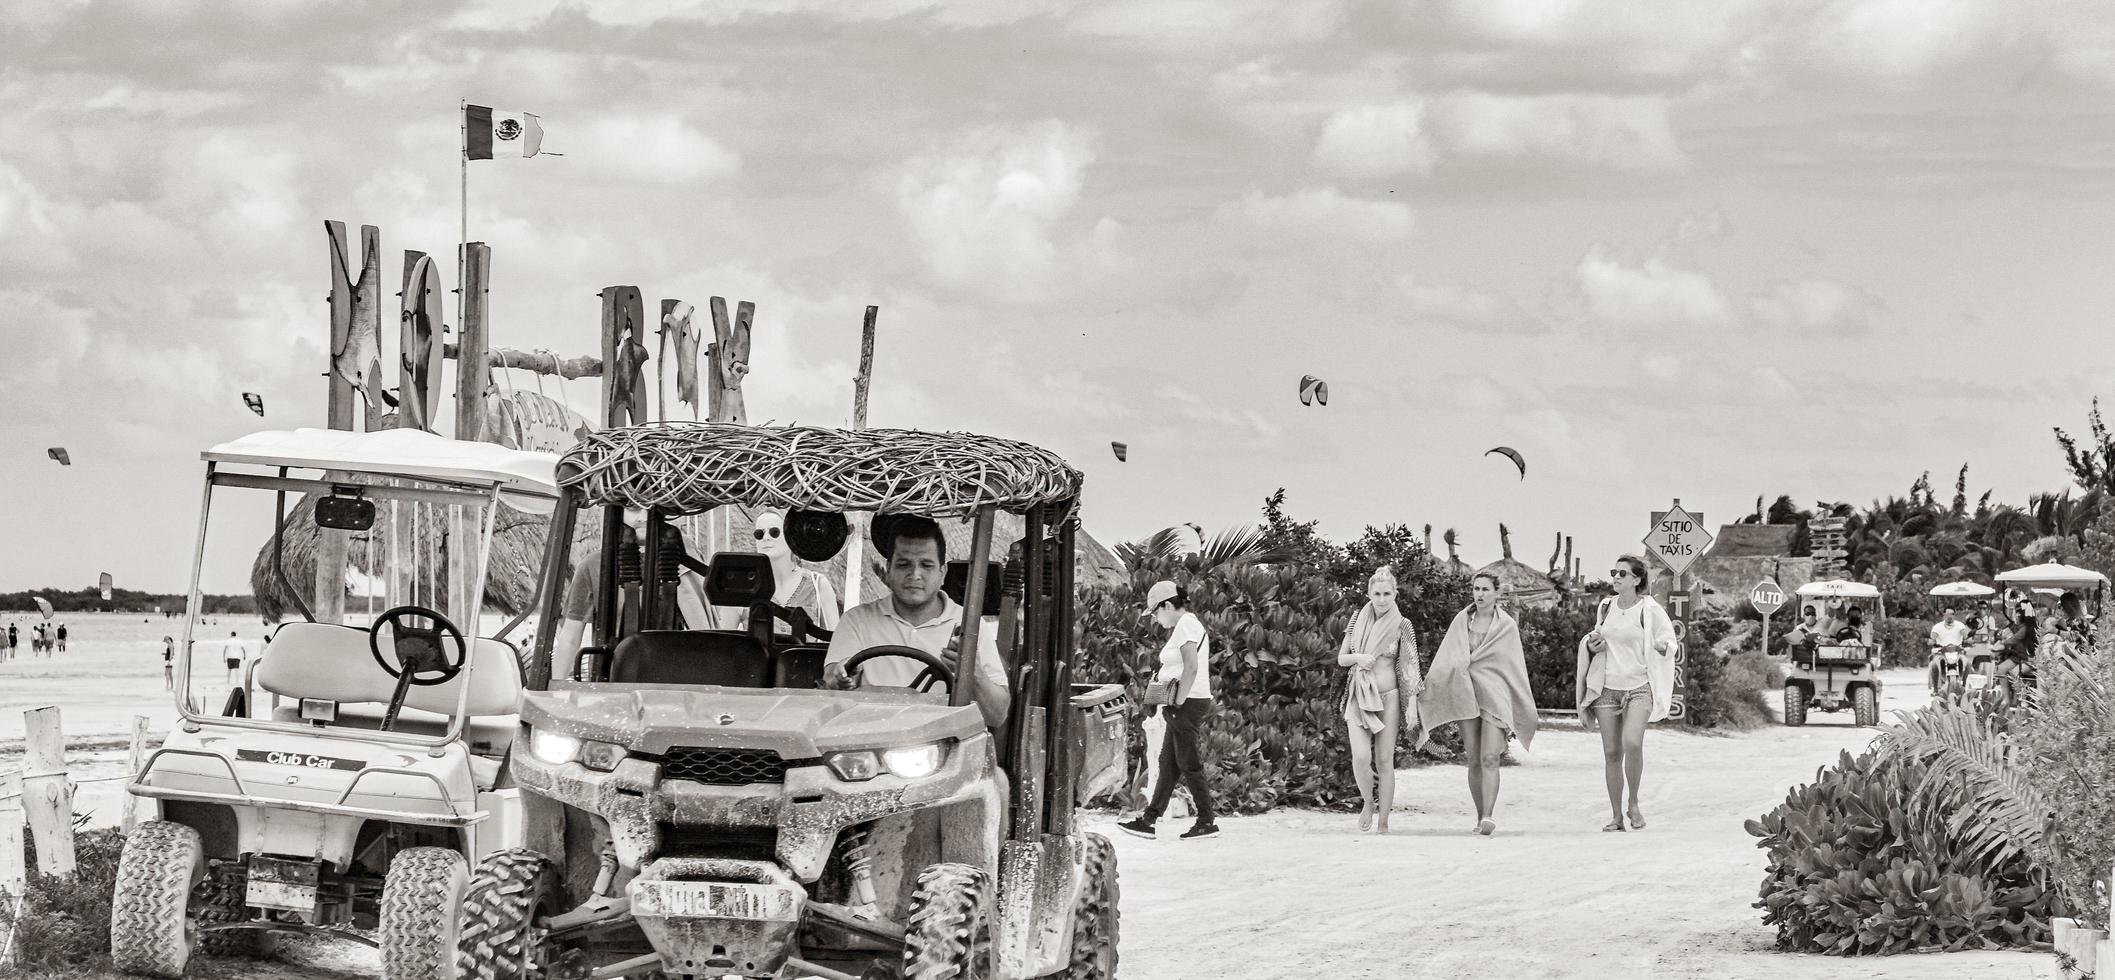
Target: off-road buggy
x=696 y=804
x=357 y=767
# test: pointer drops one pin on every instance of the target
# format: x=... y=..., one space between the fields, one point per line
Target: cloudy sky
x=1689 y=249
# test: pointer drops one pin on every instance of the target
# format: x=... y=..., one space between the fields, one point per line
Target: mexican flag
x=491 y=133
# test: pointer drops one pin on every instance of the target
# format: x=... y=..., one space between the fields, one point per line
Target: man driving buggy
x=916 y=614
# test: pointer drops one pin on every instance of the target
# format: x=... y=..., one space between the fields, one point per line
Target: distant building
x=1740 y=556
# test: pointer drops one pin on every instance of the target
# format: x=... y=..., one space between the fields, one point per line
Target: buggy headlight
x=910 y=762
x=553 y=748
x=601 y=756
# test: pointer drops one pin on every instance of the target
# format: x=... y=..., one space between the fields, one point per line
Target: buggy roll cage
x=675 y=469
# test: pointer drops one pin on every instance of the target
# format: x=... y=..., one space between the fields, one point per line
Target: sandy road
x=1301 y=894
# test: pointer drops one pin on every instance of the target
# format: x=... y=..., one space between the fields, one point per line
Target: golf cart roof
x=1963 y=589
x=527 y=480
x=693 y=467
x=1839 y=589
x=2053 y=575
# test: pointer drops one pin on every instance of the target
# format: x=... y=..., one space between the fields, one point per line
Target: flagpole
x=462 y=123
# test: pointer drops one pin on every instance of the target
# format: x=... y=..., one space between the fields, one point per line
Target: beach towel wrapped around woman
x=1487 y=679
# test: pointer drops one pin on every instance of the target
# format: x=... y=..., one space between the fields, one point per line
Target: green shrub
x=1903 y=643
x=1746 y=685
x=64 y=920
x=1549 y=637
x=2067 y=742
x=1854 y=869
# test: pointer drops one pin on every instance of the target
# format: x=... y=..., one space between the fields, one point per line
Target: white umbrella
x=2053 y=575
x=1963 y=589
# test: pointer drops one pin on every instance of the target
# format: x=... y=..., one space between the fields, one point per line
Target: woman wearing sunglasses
x=794 y=587
x=1626 y=681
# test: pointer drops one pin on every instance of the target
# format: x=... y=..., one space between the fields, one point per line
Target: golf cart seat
x=325 y=662
x=726 y=658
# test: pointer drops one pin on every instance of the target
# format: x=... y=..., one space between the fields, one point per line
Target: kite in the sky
x=106 y=586
x=1313 y=390
x=59 y=453
x=44 y=606
x=1512 y=454
x=1123 y=452
x=255 y=401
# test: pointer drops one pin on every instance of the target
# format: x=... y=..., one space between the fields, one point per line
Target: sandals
x=1612 y=827
x=1637 y=819
x=1487 y=826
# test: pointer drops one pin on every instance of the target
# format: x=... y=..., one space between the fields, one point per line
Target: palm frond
x=1972 y=780
x=1241 y=544
x=1162 y=545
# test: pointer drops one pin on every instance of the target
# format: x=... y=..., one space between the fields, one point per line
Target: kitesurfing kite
x=255 y=401
x=1313 y=390
x=1123 y=452
x=1512 y=454
x=59 y=453
x=44 y=606
x=106 y=586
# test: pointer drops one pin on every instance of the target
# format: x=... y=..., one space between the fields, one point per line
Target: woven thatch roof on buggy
x=510 y=582
x=693 y=467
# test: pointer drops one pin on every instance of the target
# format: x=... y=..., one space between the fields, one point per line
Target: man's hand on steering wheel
x=939 y=669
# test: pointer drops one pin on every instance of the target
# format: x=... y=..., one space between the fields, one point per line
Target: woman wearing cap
x=1479 y=679
x=1380 y=647
x=1625 y=681
x=1185 y=662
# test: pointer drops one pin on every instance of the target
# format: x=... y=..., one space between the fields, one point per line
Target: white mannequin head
x=770 y=537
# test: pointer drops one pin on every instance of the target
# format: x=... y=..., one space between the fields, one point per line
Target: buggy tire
x=151 y=931
x=226 y=899
x=1095 y=917
x=1795 y=705
x=422 y=896
x=497 y=936
x=948 y=936
x=1865 y=708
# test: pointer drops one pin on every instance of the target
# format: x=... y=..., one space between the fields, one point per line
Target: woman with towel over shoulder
x=1479 y=679
x=1380 y=648
x=1626 y=680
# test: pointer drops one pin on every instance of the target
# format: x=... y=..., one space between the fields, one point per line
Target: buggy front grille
x=723 y=767
x=740 y=843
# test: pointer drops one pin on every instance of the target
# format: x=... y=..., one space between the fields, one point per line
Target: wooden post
x=134 y=760
x=730 y=360
x=856 y=558
x=668 y=309
x=367 y=316
x=352 y=315
x=47 y=794
x=339 y=407
x=624 y=398
x=13 y=876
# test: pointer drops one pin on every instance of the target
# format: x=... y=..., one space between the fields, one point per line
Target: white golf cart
x=1969 y=663
x=358 y=765
x=1837 y=669
x=2053 y=579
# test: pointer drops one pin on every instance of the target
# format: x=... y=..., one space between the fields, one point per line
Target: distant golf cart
x=1969 y=664
x=1834 y=673
x=357 y=767
x=2054 y=579
x=697 y=803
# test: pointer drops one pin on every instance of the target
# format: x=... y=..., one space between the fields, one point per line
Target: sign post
x=1678 y=539
x=1767 y=597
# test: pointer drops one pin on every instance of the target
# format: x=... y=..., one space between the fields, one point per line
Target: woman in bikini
x=1380 y=648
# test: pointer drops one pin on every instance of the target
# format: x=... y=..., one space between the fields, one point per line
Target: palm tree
x=1241 y=544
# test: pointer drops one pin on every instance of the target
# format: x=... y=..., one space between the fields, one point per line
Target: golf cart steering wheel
x=421 y=658
x=936 y=670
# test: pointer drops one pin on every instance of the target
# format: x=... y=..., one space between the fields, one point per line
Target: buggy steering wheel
x=419 y=650
x=936 y=670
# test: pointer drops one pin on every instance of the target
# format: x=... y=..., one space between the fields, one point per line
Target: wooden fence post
x=47 y=793
x=856 y=557
x=14 y=878
x=472 y=375
x=133 y=762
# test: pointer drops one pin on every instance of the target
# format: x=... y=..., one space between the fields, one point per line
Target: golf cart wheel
x=1795 y=705
x=151 y=931
x=421 y=898
x=1095 y=917
x=949 y=937
x=498 y=936
x=221 y=900
x=1865 y=709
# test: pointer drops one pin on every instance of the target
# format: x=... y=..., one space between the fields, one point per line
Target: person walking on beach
x=233 y=654
x=1479 y=680
x=60 y=631
x=1626 y=681
x=1185 y=662
x=14 y=641
x=168 y=663
x=1380 y=648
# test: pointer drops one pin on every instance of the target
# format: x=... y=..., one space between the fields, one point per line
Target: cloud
x=1648 y=294
x=1373 y=142
x=1318 y=215
x=1468 y=307
x=661 y=150
x=1816 y=307
x=985 y=213
x=1628 y=133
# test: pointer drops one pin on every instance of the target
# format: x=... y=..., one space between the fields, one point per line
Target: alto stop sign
x=1767 y=597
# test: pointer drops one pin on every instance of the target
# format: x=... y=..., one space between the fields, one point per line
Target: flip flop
x=1637 y=820
x=1612 y=827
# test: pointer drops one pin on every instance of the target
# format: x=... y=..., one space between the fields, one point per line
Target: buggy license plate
x=716 y=900
x=280 y=884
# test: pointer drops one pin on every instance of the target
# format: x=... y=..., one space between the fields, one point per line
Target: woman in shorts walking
x=1626 y=680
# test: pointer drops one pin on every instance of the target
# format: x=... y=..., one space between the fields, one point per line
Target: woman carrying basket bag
x=1185 y=677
